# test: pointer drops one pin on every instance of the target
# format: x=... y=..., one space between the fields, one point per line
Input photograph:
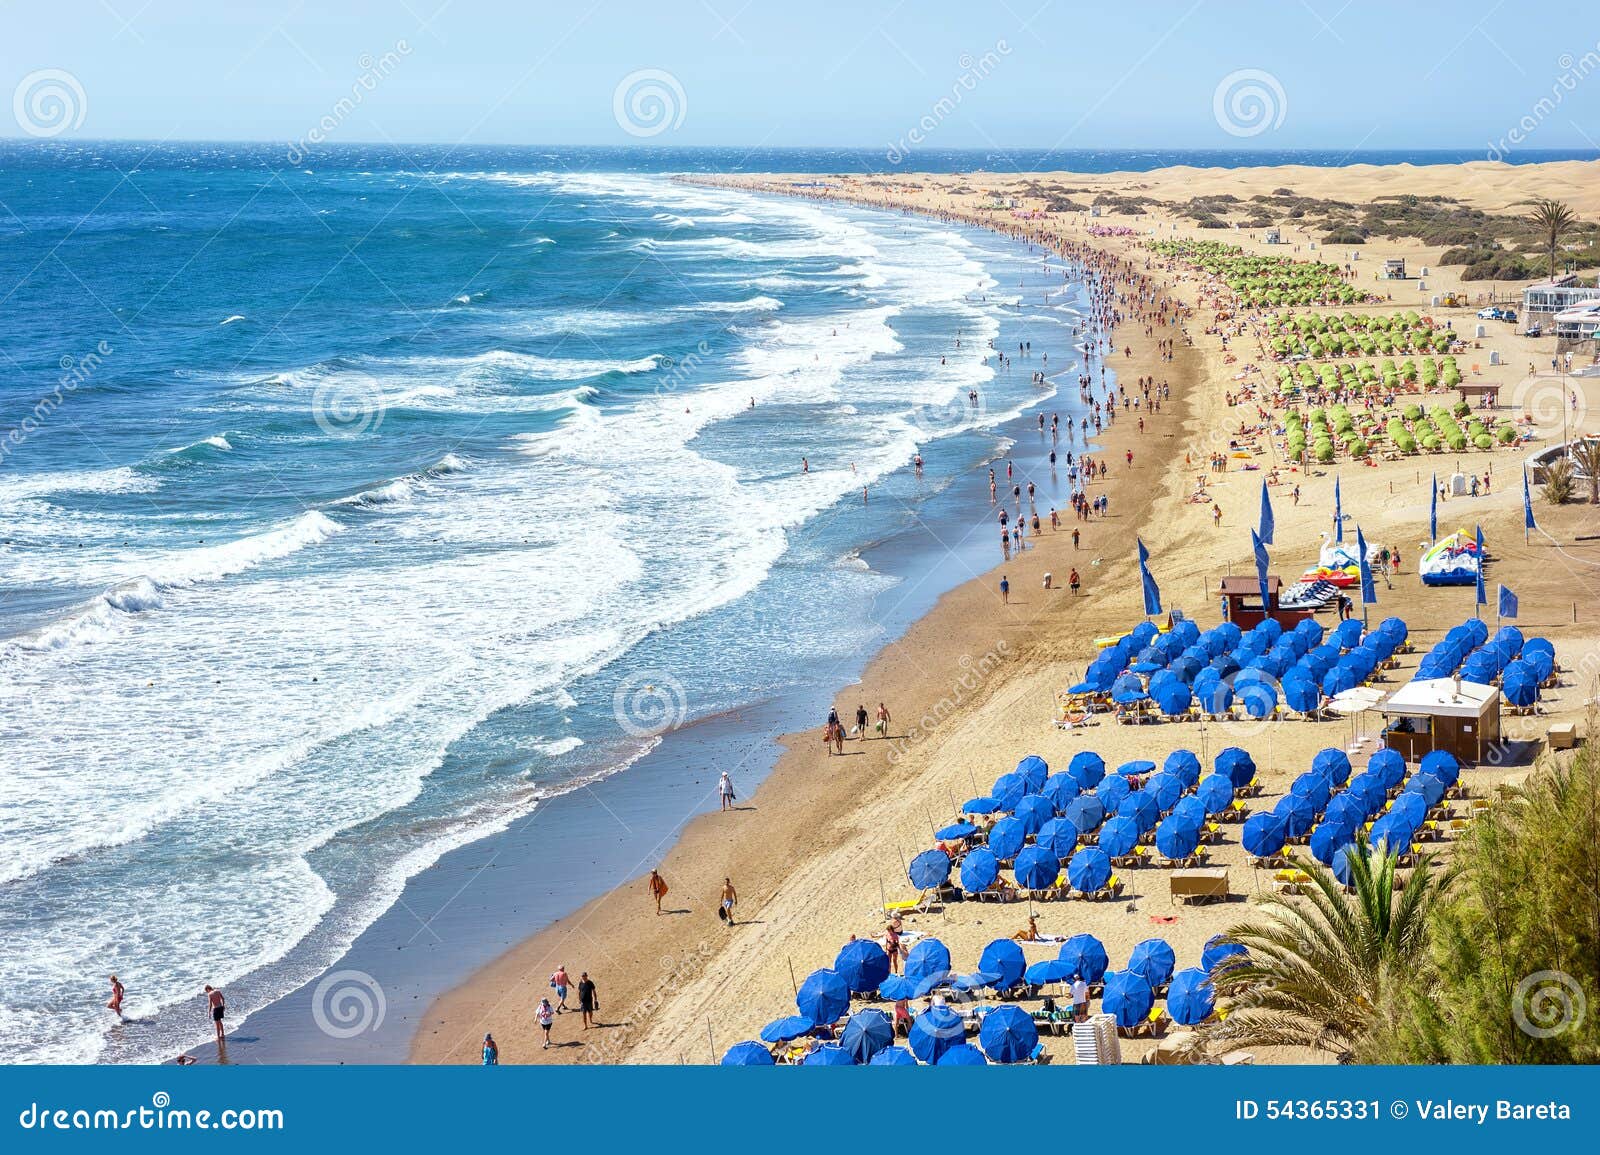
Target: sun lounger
x=1200 y=884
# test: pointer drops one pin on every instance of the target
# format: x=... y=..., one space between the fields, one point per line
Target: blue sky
x=981 y=73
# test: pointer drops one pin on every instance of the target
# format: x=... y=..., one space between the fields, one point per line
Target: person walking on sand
x=883 y=720
x=491 y=1051
x=729 y=897
x=1073 y=581
x=546 y=1016
x=1216 y=515
x=218 y=1006
x=588 y=999
x=559 y=983
x=725 y=789
x=1074 y=537
x=1005 y=590
x=658 y=889
x=861 y=721
x=115 y=1005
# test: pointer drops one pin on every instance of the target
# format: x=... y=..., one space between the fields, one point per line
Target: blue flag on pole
x=1483 y=596
x=1338 y=513
x=1433 y=511
x=1152 y=592
x=1266 y=514
x=1369 y=592
x=1261 y=565
x=1508 y=603
x=1527 y=504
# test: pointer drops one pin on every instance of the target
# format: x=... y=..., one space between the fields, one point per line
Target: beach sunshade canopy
x=1112 y=791
x=862 y=964
x=1347 y=807
x=1173 y=698
x=1138 y=768
x=1519 y=686
x=1119 y=836
x=1085 y=812
x=1215 y=793
x=1142 y=807
x=1061 y=789
x=1059 y=837
x=928 y=957
x=1034 y=770
x=1237 y=765
x=1332 y=763
x=1006 y=838
x=1312 y=786
x=1003 y=959
x=897 y=987
x=984 y=805
x=782 y=1030
x=1127 y=997
x=955 y=831
x=979 y=869
x=1036 y=868
x=1218 y=950
x=1341 y=863
x=934 y=1032
x=748 y=1054
x=1166 y=788
x=1033 y=811
x=1177 y=837
x=1190 y=998
x=1046 y=971
x=1411 y=808
x=962 y=1055
x=893 y=1057
x=1183 y=765
x=1086 y=956
x=867 y=1032
x=1389 y=766
x=1263 y=834
x=824 y=996
x=828 y=1055
x=1259 y=699
x=1190 y=809
x=1154 y=959
x=1089 y=870
x=1008 y=790
x=1430 y=788
x=1442 y=765
x=1330 y=837
x=1007 y=1034
x=929 y=869
x=1301 y=694
x=1298 y=812
x=1087 y=768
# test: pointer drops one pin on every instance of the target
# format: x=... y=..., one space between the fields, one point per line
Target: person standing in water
x=218 y=1007
x=115 y=1005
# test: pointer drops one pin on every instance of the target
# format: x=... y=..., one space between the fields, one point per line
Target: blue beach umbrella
x=1033 y=811
x=1430 y=788
x=1173 y=698
x=1119 y=836
x=893 y=1057
x=1085 y=812
x=1312 y=786
x=1087 y=768
x=1061 y=789
x=862 y=964
x=1047 y=971
x=1112 y=791
x=1329 y=838
x=1127 y=997
x=1215 y=793
x=928 y=957
x=956 y=830
x=824 y=996
x=1190 y=998
x=1059 y=837
x=962 y=1055
x=1332 y=763
x=979 y=869
x=897 y=987
x=1036 y=869
x=1393 y=832
x=1218 y=950
x=1259 y=699
x=1177 y=837
x=1142 y=807
x=1166 y=789
x=1137 y=768
x=1389 y=766
x=1008 y=1035
x=1347 y=808
x=1263 y=834
x=1442 y=765
x=934 y=1032
x=1237 y=765
x=1006 y=838
x=1190 y=809
x=984 y=805
x=1089 y=870
x=1519 y=685
x=1341 y=863
x=1154 y=959
x=1128 y=690
x=1542 y=664
x=1339 y=679
x=828 y=1055
x=1301 y=694
x=1299 y=814
x=1008 y=790
x=1183 y=765
x=1410 y=808
x=867 y=1032
x=1368 y=789
x=929 y=869
x=1034 y=771
x=749 y=1054
x=782 y=1030
x=1086 y=956
x=1003 y=959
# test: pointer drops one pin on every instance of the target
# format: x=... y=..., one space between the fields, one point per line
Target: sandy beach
x=972 y=685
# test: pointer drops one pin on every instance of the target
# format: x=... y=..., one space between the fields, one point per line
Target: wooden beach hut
x=1429 y=714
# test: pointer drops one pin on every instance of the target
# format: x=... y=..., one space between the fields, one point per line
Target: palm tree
x=1560 y=481
x=1587 y=455
x=1553 y=220
x=1324 y=969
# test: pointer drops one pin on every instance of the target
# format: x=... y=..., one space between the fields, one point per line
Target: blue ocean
x=352 y=509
